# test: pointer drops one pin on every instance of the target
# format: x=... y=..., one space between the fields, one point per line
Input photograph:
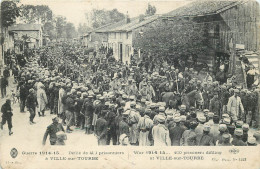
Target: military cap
x=169 y=117
x=148 y=110
x=226 y=136
x=257 y=136
x=84 y=94
x=101 y=98
x=225 y=116
x=132 y=97
x=206 y=127
x=177 y=119
x=245 y=127
x=251 y=141
x=126 y=113
x=177 y=114
x=107 y=103
x=193 y=108
x=226 y=120
x=202 y=118
x=238 y=132
x=90 y=96
x=206 y=110
x=161 y=118
x=124 y=96
x=143 y=100
x=183 y=106
x=222 y=127
x=210 y=114
x=183 y=118
x=239 y=124
x=133 y=103
x=161 y=109
x=31 y=90
x=236 y=90
x=152 y=105
x=79 y=93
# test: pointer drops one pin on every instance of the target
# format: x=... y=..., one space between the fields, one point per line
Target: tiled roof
x=202 y=7
x=122 y=26
x=23 y=27
x=135 y=23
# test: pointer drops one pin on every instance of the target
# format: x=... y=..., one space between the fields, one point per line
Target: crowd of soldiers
x=139 y=104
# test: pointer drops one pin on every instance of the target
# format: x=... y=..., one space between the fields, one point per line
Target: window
x=126 y=35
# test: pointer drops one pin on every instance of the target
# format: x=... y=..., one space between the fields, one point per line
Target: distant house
x=30 y=34
x=228 y=23
x=120 y=36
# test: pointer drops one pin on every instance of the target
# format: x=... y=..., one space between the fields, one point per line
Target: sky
x=74 y=10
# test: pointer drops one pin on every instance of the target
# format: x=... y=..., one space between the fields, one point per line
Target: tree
x=151 y=10
x=83 y=28
x=60 y=26
x=36 y=14
x=103 y=17
x=49 y=29
x=9 y=12
x=70 y=30
x=172 y=37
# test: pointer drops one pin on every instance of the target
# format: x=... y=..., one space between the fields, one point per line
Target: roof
x=135 y=23
x=202 y=7
x=122 y=26
x=25 y=27
x=108 y=27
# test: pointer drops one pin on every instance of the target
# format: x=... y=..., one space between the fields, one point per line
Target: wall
x=124 y=38
x=243 y=21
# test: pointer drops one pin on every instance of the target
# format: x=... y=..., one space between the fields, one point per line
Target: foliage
x=60 y=26
x=55 y=27
x=70 y=30
x=151 y=10
x=9 y=12
x=103 y=17
x=83 y=28
x=36 y=14
x=178 y=37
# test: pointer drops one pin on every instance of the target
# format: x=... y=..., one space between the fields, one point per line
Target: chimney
x=127 y=18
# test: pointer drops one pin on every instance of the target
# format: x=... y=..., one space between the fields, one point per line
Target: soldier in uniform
x=237 y=139
x=235 y=107
x=111 y=125
x=226 y=140
x=189 y=136
x=133 y=119
x=52 y=130
x=176 y=132
x=161 y=133
x=100 y=129
x=87 y=110
x=7 y=115
x=145 y=125
x=215 y=105
x=205 y=139
x=31 y=104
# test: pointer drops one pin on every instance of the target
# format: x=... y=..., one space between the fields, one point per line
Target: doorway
x=120 y=52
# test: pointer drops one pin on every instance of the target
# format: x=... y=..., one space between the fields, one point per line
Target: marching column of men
x=165 y=107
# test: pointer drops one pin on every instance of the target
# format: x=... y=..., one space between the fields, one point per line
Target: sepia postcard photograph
x=143 y=84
